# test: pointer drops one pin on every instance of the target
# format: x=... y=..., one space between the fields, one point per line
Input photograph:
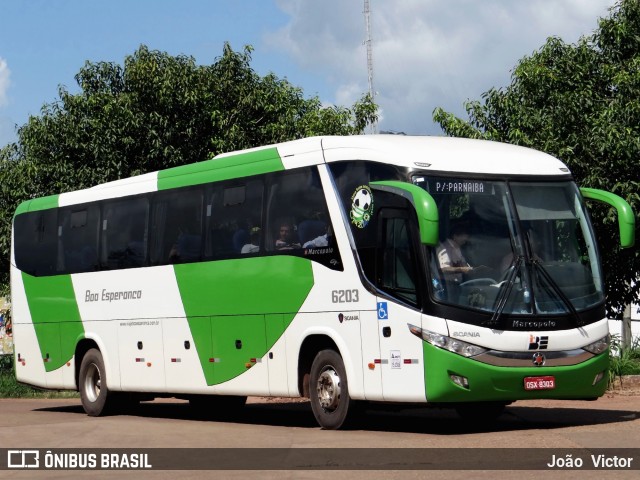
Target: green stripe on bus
x=237 y=309
x=241 y=165
x=43 y=203
x=56 y=318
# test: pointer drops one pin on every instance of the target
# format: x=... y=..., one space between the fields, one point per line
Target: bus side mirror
x=424 y=204
x=626 y=217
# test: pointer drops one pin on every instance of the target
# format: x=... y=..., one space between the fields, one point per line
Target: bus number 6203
x=345 y=296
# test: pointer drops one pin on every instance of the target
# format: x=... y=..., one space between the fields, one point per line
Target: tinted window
x=398 y=271
x=124 y=233
x=217 y=221
x=36 y=242
x=177 y=227
x=78 y=239
x=298 y=222
x=234 y=219
x=350 y=178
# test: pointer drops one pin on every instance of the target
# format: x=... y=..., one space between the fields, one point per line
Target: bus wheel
x=328 y=390
x=92 y=383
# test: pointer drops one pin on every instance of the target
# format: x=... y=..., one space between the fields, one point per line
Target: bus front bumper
x=453 y=378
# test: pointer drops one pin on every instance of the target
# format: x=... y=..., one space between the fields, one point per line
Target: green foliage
x=623 y=361
x=580 y=103
x=156 y=111
x=6 y=364
x=10 y=388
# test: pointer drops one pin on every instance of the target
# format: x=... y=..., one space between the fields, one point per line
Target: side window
x=350 y=177
x=176 y=226
x=398 y=259
x=124 y=233
x=298 y=222
x=78 y=239
x=234 y=219
x=36 y=242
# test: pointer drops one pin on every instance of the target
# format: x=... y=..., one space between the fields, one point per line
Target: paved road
x=612 y=422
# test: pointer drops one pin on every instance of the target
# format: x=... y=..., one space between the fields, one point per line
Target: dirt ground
x=627 y=385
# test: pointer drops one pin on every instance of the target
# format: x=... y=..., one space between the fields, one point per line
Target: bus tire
x=329 y=390
x=92 y=384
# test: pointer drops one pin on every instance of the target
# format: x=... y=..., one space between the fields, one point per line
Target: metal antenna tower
x=367 y=20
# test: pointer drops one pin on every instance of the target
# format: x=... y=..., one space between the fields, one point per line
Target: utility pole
x=627 y=334
x=367 y=20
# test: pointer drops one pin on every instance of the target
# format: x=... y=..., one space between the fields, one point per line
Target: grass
x=10 y=388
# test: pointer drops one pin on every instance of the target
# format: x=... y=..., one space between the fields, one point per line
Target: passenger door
x=397 y=274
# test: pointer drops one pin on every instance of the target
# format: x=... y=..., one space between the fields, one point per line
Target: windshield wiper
x=507 y=286
x=558 y=291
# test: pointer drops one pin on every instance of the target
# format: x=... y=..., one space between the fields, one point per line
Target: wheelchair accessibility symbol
x=383 y=313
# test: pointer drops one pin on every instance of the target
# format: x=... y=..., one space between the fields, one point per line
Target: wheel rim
x=328 y=389
x=92 y=383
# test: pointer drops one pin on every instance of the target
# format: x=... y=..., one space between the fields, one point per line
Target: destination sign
x=458 y=186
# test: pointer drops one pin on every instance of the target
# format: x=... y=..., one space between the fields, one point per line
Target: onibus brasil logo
x=361 y=206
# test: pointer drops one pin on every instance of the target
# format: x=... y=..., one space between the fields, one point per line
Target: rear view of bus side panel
x=47 y=323
x=28 y=357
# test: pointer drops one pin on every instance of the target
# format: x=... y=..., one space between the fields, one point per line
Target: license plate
x=539 y=383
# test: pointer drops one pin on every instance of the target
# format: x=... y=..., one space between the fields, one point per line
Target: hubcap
x=92 y=383
x=328 y=389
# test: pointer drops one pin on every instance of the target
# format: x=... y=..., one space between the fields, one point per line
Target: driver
x=452 y=261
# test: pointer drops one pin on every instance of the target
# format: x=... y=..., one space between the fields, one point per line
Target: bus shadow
x=438 y=421
x=381 y=418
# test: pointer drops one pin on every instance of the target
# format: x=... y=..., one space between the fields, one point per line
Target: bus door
x=397 y=276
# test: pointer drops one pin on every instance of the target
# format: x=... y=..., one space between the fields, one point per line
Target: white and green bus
x=432 y=270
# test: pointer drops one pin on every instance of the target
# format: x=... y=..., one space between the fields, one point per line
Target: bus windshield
x=519 y=248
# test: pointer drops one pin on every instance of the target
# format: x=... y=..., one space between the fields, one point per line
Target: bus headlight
x=447 y=343
x=598 y=346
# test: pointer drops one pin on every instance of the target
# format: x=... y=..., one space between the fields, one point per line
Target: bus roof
x=422 y=153
x=444 y=154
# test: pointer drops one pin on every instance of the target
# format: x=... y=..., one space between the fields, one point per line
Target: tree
x=16 y=180
x=154 y=112
x=580 y=103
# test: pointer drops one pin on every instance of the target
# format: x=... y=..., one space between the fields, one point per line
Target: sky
x=426 y=53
